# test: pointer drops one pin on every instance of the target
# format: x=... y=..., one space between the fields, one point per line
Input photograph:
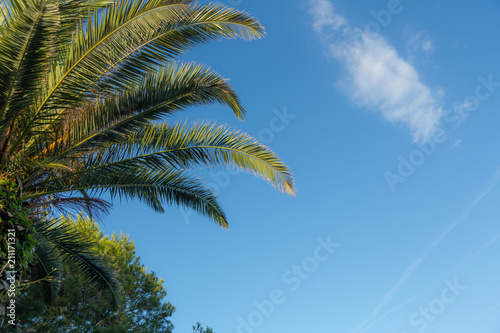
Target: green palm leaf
x=159 y=93
x=130 y=37
x=160 y=146
x=68 y=242
x=48 y=269
x=154 y=187
x=25 y=47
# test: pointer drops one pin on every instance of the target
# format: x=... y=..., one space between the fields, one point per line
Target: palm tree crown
x=84 y=86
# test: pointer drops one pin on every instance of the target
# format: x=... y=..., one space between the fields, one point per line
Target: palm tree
x=86 y=87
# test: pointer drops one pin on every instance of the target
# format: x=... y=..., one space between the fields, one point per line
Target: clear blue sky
x=393 y=137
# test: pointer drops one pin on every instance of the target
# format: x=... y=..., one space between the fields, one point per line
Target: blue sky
x=388 y=114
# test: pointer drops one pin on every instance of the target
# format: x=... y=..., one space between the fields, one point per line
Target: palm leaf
x=25 y=47
x=48 y=269
x=210 y=145
x=143 y=33
x=154 y=187
x=73 y=247
x=161 y=92
x=160 y=146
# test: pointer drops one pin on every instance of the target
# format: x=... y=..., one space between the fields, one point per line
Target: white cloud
x=377 y=77
x=325 y=16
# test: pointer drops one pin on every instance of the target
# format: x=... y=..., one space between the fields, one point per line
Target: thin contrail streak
x=413 y=266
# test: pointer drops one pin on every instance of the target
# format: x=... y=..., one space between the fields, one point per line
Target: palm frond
x=11 y=9
x=161 y=92
x=208 y=144
x=95 y=207
x=144 y=33
x=24 y=60
x=48 y=269
x=160 y=146
x=73 y=247
x=154 y=187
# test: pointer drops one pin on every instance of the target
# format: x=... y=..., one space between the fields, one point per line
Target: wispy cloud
x=419 y=46
x=419 y=41
x=377 y=77
x=494 y=179
x=325 y=16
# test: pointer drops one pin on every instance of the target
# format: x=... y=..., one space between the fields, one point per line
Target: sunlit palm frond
x=159 y=146
x=111 y=52
x=161 y=92
x=24 y=60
